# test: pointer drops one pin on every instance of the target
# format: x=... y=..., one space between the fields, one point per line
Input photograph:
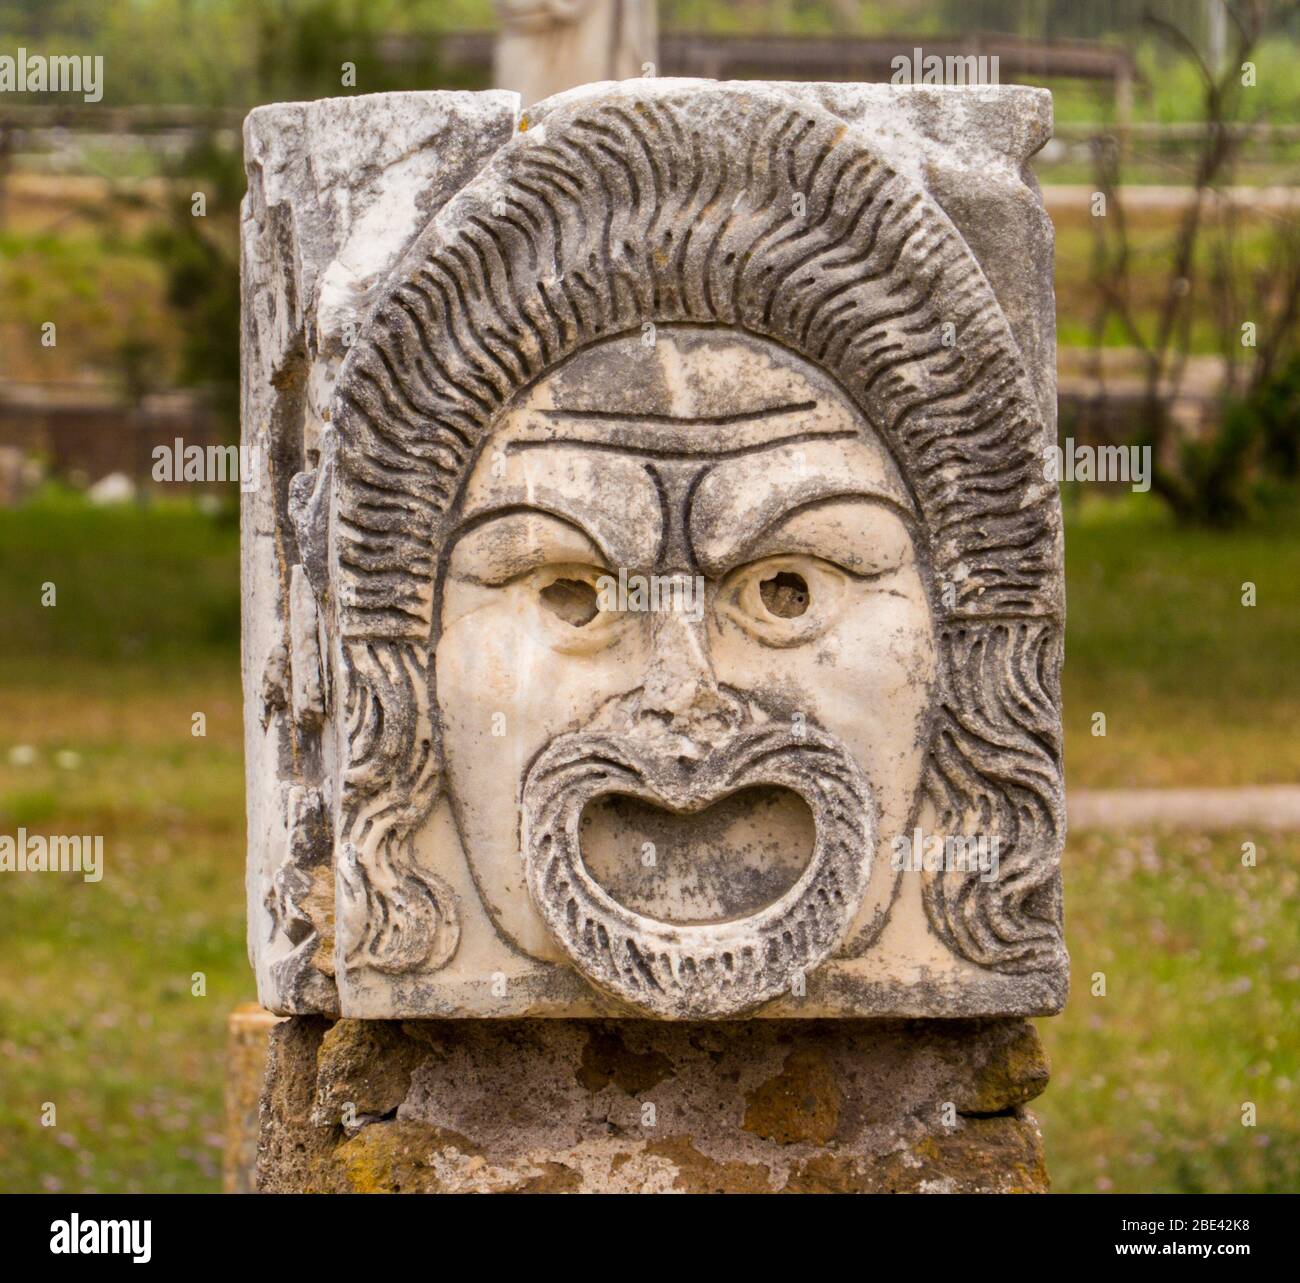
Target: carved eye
x=783 y=601
x=568 y=601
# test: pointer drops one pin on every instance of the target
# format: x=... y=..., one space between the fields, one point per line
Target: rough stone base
x=642 y=1106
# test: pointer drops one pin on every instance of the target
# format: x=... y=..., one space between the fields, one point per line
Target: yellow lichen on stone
x=800 y=1105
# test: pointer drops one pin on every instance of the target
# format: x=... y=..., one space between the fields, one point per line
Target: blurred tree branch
x=1195 y=478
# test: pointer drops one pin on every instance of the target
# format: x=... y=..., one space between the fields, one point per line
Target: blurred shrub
x=1250 y=463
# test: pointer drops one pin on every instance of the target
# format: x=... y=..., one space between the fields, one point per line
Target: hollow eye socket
x=784 y=600
x=568 y=600
x=785 y=594
x=571 y=600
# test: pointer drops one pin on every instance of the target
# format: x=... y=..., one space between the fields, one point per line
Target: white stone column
x=547 y=46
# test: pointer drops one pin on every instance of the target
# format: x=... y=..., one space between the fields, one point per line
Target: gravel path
x=1275 y=806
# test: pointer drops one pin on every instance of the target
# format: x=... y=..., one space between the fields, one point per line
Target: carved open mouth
x=763 y=931
x=727 y=861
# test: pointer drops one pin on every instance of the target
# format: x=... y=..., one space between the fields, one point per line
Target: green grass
x=1197 y=688
x=1201 y=1014
x=98 y=1015
x=96 y=1011
x=138 y=591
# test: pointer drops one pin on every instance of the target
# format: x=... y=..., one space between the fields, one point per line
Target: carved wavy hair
x=738 y=207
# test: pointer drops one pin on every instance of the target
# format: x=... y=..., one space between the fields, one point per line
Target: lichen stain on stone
x=415 y=1158
x=993 y=1155
x=390 y=1158
x=697 y=1173
x=366 y=1062
x=606 y=1059
x=555 y=1178
x=1003 y=1154
x=829 y=1173
x=801 y=1105
x=1017 y=1073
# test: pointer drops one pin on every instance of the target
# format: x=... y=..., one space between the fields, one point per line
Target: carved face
x=655 y=533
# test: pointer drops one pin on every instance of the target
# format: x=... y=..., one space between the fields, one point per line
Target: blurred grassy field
x=1197 y=688
x=97 y=1013
x=97 y=696
x=1200 y=1015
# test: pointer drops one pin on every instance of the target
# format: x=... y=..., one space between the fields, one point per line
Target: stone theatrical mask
x=678 y=540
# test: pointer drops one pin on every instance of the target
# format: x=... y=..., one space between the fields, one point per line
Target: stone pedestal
x=585 y=1106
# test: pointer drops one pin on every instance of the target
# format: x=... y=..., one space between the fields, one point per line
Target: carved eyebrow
x=609 y=499
x=531 y=555
x=742 y=549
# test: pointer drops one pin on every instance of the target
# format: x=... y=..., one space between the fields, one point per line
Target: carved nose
x=681 y=695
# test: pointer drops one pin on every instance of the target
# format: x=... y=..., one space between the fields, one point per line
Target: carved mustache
x=711 y=970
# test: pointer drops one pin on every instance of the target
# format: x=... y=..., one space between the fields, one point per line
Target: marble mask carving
x=671 y=553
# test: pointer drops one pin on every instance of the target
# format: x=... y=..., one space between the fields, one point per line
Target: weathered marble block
x=654 y=605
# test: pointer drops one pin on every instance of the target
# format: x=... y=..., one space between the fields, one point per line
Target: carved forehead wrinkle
x=569 y=444
x=698 y=391
x=690 y=371
x=743 y=497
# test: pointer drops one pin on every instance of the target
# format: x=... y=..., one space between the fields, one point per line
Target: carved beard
x=710 y=970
